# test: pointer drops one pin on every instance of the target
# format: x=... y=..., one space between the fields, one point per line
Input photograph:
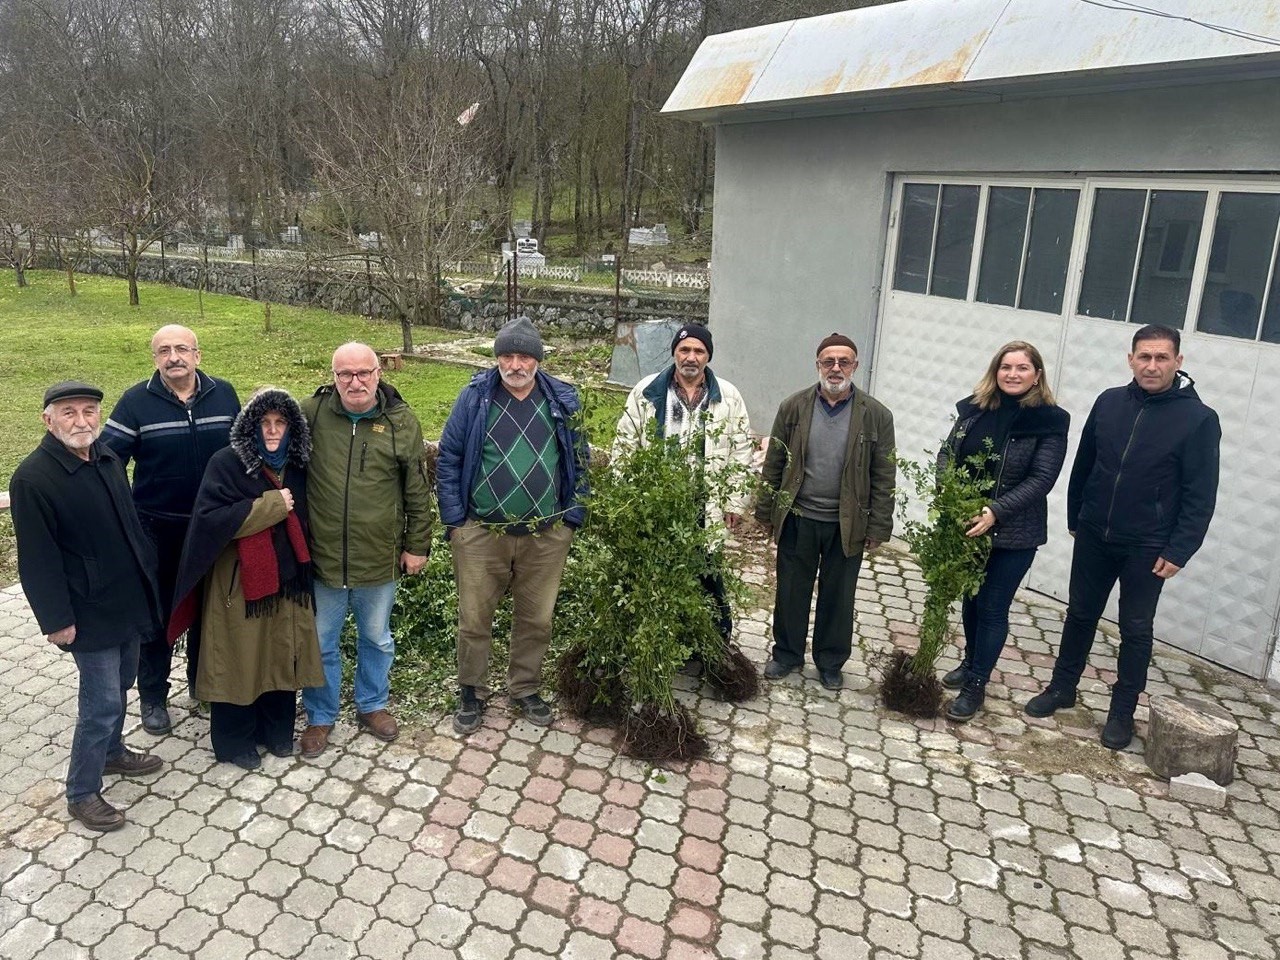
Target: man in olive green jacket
x=829 y=478
x=370 y=519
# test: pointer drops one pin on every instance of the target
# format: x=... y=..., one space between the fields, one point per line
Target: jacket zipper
x=1115 y=485
x=346 y=503
x=1004 y=456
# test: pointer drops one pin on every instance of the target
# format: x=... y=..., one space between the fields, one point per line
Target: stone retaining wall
x=475 y=309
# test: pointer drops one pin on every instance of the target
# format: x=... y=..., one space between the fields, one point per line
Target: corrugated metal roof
x=972 y=47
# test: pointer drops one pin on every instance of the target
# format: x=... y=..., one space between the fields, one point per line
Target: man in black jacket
x=169 y=425
x=1141 y=496
x=88 y=571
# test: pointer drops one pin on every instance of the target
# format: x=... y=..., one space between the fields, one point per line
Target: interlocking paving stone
x=820 y=826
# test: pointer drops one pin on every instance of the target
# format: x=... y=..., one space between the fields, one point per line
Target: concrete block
x=1198 y=789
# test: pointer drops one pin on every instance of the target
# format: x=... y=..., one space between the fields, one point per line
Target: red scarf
x=259 y=569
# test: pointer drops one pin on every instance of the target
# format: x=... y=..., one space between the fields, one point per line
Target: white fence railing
x=689 y=279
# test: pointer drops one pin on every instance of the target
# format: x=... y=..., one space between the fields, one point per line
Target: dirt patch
x=1047 y=753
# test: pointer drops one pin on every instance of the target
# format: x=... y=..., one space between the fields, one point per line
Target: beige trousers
x=485 y=565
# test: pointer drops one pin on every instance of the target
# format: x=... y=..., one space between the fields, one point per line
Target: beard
x=77 y=439
x=834 y=387
x=516 y=378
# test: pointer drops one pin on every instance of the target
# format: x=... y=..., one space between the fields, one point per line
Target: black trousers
x=1095 y=567
x=155 y=656
x=809 y=550
x=237 y=729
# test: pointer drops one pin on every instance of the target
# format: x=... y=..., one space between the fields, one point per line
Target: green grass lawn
x=46 y=335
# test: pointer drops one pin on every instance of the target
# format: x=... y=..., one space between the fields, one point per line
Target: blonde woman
x=1013 y=408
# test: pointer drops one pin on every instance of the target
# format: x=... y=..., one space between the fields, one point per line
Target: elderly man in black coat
x=88 y=571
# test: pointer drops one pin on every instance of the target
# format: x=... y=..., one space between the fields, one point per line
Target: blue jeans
x=374 y=648
x=105 y=679
x=986 y=614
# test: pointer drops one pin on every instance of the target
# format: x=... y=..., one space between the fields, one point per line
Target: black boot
x=470 y=711
x=1117 y=733
x=972 y=694
x=954 y=679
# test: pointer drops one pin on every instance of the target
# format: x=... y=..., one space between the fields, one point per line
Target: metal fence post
x=510 y=281
x=617 y=288
x=368 y=284
x=253 y=255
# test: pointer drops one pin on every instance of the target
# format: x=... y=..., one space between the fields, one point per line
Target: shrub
x=636 y=610
x=953 y=566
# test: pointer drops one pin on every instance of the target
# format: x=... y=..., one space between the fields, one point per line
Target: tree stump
x=1191 y=736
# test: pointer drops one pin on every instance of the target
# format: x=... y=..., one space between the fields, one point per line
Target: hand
x=412 y=563
x=1164 y=569
x=62 y=637
x=731 y=520
x=870 y=545
x=288 y=497
x=980 y=524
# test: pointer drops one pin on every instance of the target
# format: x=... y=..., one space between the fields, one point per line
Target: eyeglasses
x=832 y=364
x=346 y=376
x=177 y=350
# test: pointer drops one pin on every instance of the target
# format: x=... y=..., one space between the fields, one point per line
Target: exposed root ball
x=585 y=694
x=906 y=691
x=733 y=676
x=660 y=737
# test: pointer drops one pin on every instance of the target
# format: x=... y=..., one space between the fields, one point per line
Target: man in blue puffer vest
x=512 y=485
x=1141 y=495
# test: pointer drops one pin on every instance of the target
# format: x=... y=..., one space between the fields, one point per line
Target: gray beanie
x=519 y=336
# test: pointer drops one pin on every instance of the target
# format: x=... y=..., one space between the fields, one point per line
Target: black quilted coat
x=1027 y=470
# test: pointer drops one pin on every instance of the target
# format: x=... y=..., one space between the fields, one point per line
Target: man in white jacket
x=707 y=413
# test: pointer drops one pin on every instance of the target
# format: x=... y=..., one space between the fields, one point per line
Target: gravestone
x=1188 y=735
x=640 y=347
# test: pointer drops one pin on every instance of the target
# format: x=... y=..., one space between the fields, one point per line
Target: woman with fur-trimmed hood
x=247 y=564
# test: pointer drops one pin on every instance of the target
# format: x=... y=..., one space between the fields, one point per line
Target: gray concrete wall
x=801 y=206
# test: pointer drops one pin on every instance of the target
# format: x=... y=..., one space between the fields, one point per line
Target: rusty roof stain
x=954 y=45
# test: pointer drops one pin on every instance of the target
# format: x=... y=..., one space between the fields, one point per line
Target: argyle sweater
x=519 y=466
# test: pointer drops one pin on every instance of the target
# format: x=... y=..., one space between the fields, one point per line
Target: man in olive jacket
x=829 y=477
x=370 y=519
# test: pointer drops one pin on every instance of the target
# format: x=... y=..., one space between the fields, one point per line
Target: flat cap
x=71 y=389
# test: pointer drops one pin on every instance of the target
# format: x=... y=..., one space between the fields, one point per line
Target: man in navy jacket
x=511 y=479
x=1139 y=502
x=169 y=425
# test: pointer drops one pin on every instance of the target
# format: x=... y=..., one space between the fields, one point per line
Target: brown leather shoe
x=130 y=763
x=380 y=723
x=315 y=738
x=96 y=814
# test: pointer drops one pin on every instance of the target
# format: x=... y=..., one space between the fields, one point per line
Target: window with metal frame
x=1147 y=260
x=1025 y=235
x=1242 y=288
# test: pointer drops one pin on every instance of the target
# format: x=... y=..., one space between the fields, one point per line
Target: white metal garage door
x=972 y=264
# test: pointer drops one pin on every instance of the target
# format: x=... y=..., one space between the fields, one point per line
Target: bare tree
x=392 y=158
